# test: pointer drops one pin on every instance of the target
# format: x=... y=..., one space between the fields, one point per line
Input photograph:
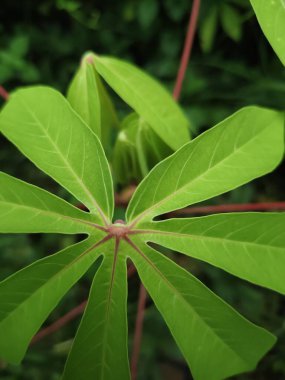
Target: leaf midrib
x=203 y=237
x=48 y=212
x=107 y=314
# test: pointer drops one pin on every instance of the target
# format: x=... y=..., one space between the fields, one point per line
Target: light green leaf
x=231 y=22
x=219 y=160
x=250 y=246
x=216 y=341
x=43 y=126
x=27 y=208
x=109 y=118
x=100 y=348
x=90 y=100
x=83 y=95
x=147 y=97
x=271 y=17
x=137 y=150
x=125 y=156
x=28 y=296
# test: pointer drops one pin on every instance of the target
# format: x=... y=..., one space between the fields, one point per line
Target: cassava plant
x=66 y=138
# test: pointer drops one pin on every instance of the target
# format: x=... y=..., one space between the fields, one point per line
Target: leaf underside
x=41 y=123
x=102 y=333
x=43 y=126
x=219 y=160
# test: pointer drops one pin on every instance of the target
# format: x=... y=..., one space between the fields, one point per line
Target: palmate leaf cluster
x=64 y=138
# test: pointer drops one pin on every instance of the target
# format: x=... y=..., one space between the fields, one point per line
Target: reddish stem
x=138 y=332
x=204 y=210
x=68 y=317
x=187 y=49
x=3 y=93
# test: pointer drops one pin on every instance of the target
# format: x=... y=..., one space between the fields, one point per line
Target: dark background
x=232 y=65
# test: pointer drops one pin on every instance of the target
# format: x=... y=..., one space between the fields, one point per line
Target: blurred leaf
x=208 y=27
x=137 y=150
x=231 y=22
x=147 y=12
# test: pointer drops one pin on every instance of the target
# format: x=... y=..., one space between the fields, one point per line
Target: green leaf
x=28 y=296
x=100 y=349
x=137 y=150
x=216 y=341
x=147 y=97
x=83 y=95
x=231 y=22
x=125 y=156
x=27 y=208
x=43 y=126
x=90 y=100
x=271 y=17
x=208 y=28
x=217 y=161
x=250 y=246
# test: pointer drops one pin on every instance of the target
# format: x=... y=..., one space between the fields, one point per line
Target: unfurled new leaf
x=137 y=150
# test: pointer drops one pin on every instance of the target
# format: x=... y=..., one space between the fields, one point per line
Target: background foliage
x=232 y=65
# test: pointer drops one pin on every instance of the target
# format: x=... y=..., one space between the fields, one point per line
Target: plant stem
x=58 y=324
x=235 y=207
x=187 y=49
x=138 y=332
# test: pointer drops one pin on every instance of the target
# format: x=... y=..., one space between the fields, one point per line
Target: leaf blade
x=147 y=97
x=83 y=95
x=106 y=339
x=271 y=16
x=30 y=121
x=217 y=161
x=227 y=341
x=25 y=208
x=250 y=246
x=28 y=296
x=89 y=98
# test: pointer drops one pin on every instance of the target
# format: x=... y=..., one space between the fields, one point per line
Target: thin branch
x=187 y=49
x=138 y=332
x=4 y=93
x=235 y=207
x=123 y=198
x=57 y=325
